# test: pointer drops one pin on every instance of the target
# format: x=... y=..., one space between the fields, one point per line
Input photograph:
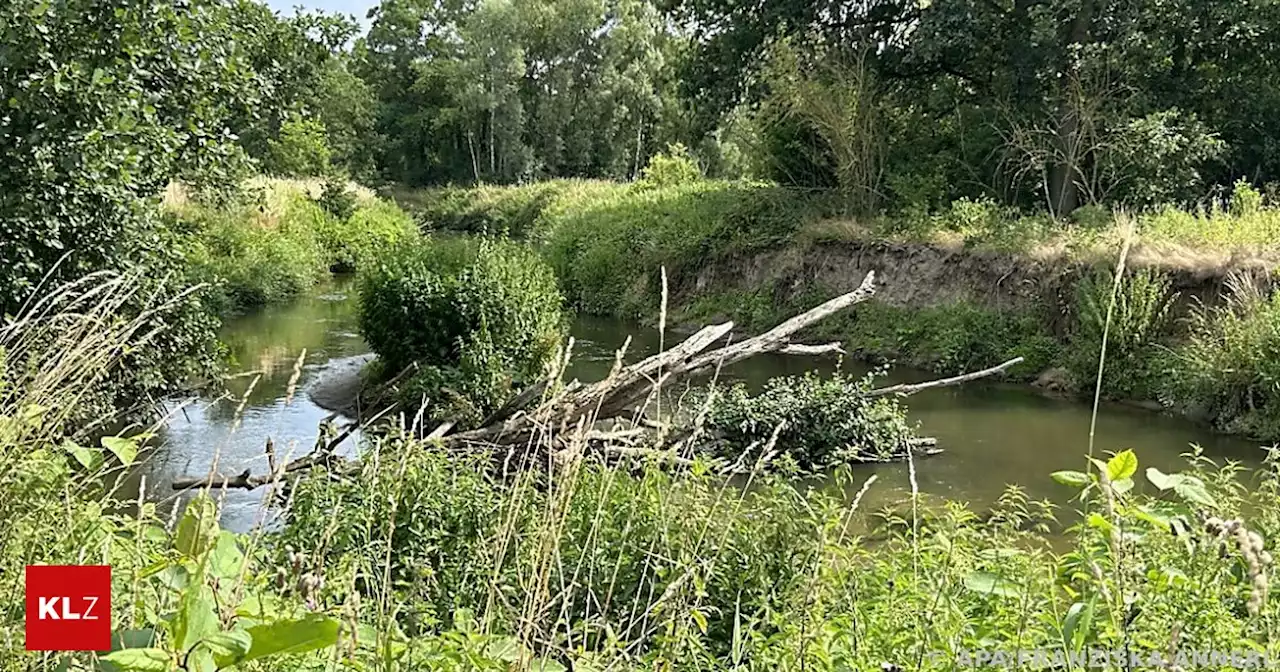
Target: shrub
x=254 y=257
x=609 y=251
x=336 y=199
x=373 y=229
x=826 y=422
x=303 y=149
x=480 y=317
x=513 y=211
x=1139 y=321
x=1245 y=200
x=948 y=339
x=673 y=167
x=1229 y=367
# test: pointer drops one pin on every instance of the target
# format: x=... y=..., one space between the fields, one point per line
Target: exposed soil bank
x=951 y=309
x=922 y=275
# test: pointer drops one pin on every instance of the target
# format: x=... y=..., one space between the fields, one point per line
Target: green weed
x=1140 y=321
x=1228 y=369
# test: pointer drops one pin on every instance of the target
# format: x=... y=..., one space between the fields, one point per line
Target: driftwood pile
x=551 y=419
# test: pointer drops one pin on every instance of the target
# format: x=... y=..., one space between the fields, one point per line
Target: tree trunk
x=1064 y=186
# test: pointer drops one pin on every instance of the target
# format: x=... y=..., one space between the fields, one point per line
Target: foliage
x=1159 y=158
x=301 y=150
x=516 y=212
x=421 y=558
x=269 y=251
x=1245 y=200
x=950 y=339
x=480 y=318
x=608 y=250
x=837 y=102
x=1139 y=312
x=361 y=239
x=460 y=102
x=825 y=423
x=779 y=576
x=254 y=258
x=337 y=200
x=1226 y=370
x=103 y=107
x=673 y=167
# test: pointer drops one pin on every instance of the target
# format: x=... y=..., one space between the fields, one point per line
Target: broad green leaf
x=546 y=665
x=140 y=660
x=1159 y=478
x=200 y=660
x=89 y=458
x=228 y=647
x=259 y=606
x=1075 y=479
x=226 y=560
x=1075 y=629
x=1123 y=465
x=1096 y=521
x=198 y=528
x=700 y=620
x=1121 y=486
x=313 y=632
x=133 y=639
x=125 y=450
x=174 y=577
x=990 y=584
x=1192 y=489
x=505 y=649
x=196 y=618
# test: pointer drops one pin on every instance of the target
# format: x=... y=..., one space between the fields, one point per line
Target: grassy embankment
x=1194 y=327
x=282 y=238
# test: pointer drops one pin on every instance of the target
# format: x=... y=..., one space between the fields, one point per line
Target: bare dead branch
x=911 y=388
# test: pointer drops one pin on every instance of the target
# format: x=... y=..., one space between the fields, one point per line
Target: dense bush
x=516 y=211
x=481 y=318
x=825 y=423
x=336 y=199
x=253 y=258
x=1228 y=370
x=372 y=230
x=949 y=339
x=301 y=150
x=673 y=167
x=280 y=242
x=103 y=107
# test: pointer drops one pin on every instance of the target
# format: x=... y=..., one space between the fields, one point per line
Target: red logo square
x=68 y=608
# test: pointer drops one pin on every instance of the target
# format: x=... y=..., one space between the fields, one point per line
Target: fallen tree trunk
x=558 y=417
x=625 y=387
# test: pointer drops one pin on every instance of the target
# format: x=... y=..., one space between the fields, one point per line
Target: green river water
x=992 y=434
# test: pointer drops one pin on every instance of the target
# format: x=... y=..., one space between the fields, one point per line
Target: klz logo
x=68 y=608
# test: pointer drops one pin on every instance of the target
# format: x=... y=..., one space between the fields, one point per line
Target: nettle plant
x=1175 y=569
x=198 y=605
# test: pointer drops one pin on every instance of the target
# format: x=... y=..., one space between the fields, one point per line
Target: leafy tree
x=104 y=105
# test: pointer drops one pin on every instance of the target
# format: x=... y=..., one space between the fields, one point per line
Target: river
x=992 y=434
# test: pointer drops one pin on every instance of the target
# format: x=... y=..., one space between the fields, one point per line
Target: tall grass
x=57 y=487
x=281 y=241
x=1228 y=370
